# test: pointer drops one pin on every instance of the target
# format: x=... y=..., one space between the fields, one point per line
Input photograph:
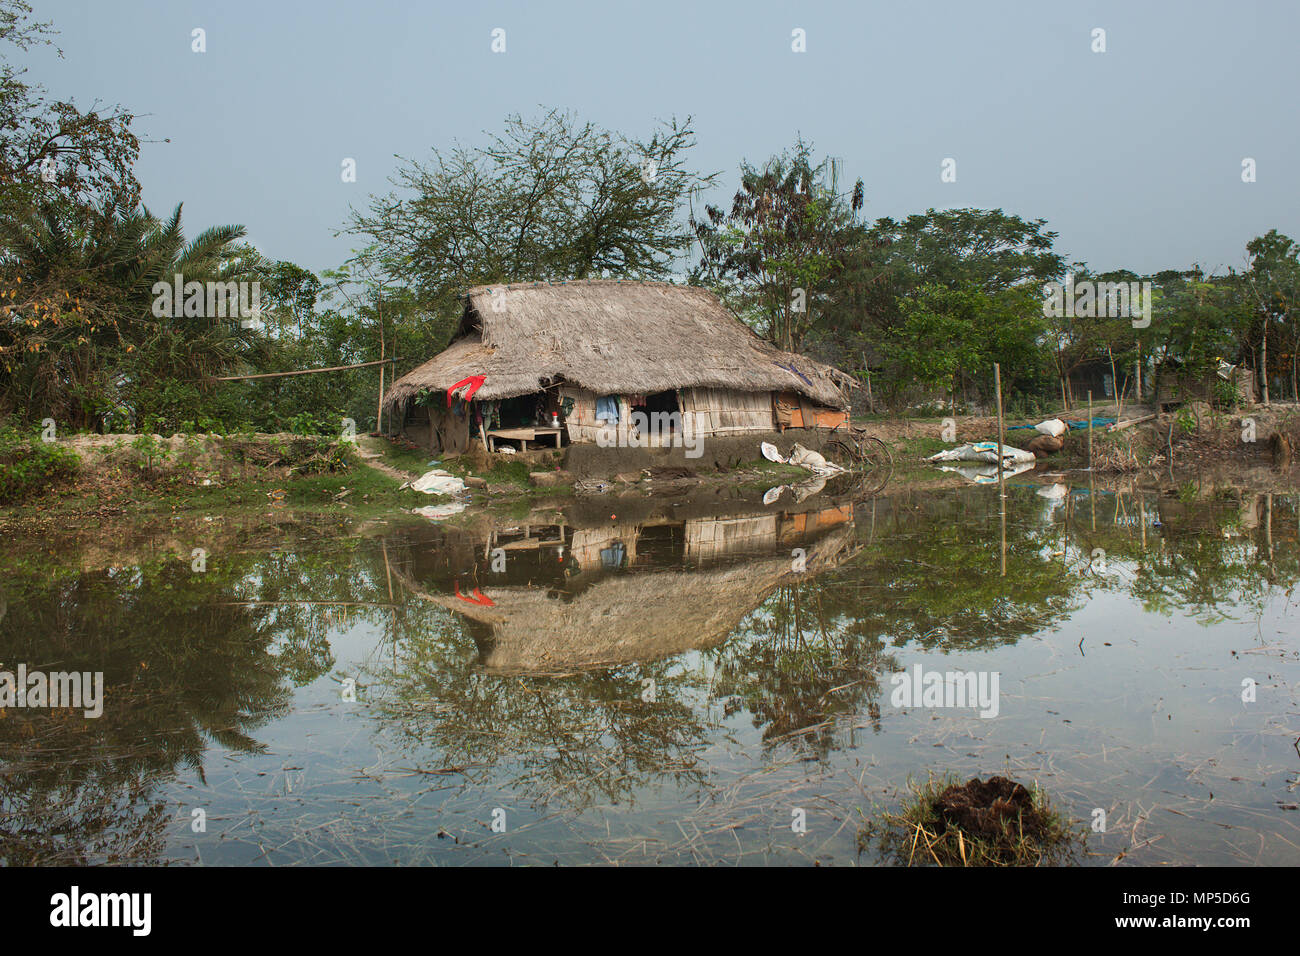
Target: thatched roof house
x=591 y=354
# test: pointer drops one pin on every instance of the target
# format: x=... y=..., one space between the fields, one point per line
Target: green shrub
x=30 y=466
x=149 y=452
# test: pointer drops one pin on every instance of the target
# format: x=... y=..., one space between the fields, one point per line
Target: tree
x=779 y=252
x=949 y=338
x=982 y=248
x=82 y=341
x=1274 y=282
x=545 y=200
x=890 y=277
x=52 y=150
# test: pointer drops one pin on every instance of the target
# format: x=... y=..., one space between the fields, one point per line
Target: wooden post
x=1002 y=488
x=997 y=388
x=1140 y=396
x=379 y=409
x=1090 y=431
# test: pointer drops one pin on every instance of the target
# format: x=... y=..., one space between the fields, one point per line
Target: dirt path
x=368 y=451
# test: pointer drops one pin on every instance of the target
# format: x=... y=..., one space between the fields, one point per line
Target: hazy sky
x=1133 y=155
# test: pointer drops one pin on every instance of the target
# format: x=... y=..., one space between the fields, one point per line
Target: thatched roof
x=613 y=338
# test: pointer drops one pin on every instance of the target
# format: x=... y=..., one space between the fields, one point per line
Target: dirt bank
x=1194 y=436
x=719 y=454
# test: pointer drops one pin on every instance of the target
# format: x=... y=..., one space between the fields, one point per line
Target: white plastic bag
x=983 y=451
x=438 y=482
x=806 y=458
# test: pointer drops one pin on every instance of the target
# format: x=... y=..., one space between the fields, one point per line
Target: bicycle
x=857 y=451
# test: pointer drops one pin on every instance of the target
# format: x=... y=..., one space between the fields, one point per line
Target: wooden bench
x=522 y=435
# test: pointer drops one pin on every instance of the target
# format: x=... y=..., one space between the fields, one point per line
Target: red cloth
x=475 y=597
x=475 y=382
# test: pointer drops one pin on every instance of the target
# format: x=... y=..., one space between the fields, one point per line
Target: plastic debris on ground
x=438 y=482
x=986 y=451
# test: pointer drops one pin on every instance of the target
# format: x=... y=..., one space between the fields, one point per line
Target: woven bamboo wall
x=723 y=411
x=712 y=411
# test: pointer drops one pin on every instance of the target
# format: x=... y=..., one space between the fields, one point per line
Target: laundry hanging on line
x=607 y=409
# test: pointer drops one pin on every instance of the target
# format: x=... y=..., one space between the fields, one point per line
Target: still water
x=646 y=680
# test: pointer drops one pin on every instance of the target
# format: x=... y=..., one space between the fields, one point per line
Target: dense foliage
x=919 y=308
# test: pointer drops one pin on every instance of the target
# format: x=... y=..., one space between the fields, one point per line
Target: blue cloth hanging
x=607 y=409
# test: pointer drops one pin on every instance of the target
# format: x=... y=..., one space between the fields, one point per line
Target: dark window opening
x=527 y=410
x=661 y=402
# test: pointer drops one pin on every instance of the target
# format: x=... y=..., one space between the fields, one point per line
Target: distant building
x=1177 y=383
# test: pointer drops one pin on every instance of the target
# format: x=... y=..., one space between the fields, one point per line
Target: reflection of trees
x=1212 y=557
x=191 y=659
x=929 y=574
x=932 y=575
x=798 y=664
x=577 y=739
x=181 y=671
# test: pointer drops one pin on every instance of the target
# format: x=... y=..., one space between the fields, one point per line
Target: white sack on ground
x=1052 y=426
x=983 y=451
x=438 y=482
x=806 y=458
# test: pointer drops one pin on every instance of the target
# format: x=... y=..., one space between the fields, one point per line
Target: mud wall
x=718 y=452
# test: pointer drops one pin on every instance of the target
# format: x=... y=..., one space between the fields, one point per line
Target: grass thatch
x=614 y=338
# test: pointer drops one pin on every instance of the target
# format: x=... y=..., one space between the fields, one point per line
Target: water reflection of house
x=589 y=597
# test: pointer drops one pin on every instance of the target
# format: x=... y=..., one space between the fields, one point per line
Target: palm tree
x=78 y=336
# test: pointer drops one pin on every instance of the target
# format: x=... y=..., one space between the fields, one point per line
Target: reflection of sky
x=1112 y=706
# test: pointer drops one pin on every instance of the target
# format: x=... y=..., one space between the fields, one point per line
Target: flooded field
x=680 y=680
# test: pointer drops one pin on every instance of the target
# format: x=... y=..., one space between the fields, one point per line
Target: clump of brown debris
x=994 y=822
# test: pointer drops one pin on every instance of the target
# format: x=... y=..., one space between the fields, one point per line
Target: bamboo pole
x=1002 y=488
x=1120 y=426
x=379 y=407
x=997 y=388
x=304 y=371
x=1090 y=431
x=311 y=603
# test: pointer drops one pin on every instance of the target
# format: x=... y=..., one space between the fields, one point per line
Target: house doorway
x=660 y=410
